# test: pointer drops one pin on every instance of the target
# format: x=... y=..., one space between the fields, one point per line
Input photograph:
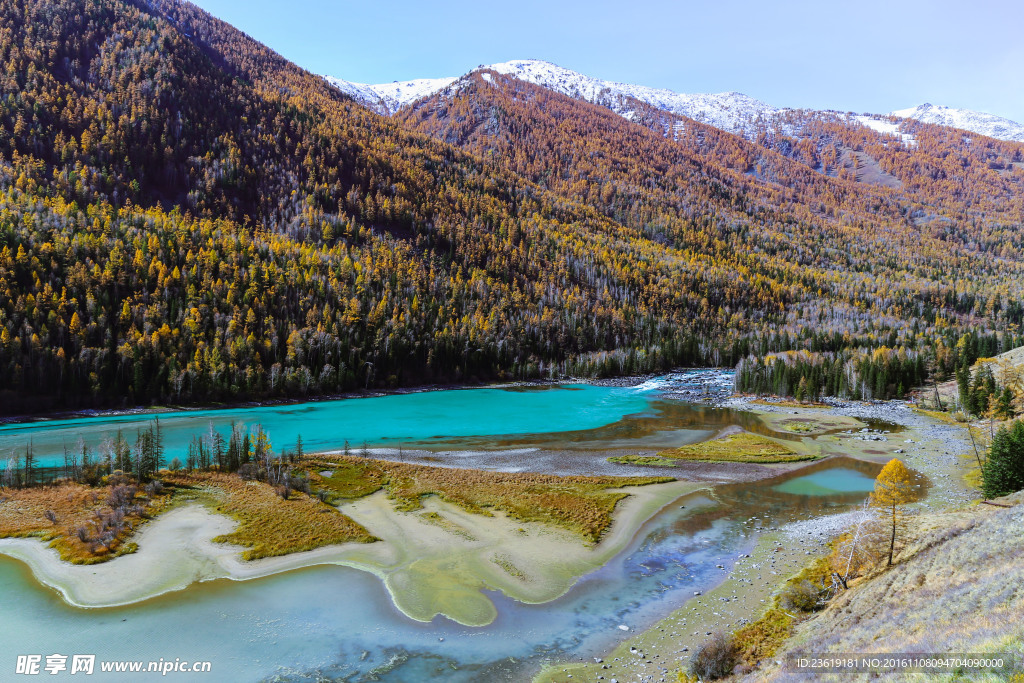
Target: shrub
x=120 y=496
x=716 y=658
x=802 y=595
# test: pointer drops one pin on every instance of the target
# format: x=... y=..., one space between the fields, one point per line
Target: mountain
x=974 y=121
x=732 y=206
x=387 y=98
x=186 y=217
x=189 y=217
x=732 y=111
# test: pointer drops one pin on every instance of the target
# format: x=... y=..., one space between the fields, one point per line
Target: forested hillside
x=188 y=217
x=884 y=281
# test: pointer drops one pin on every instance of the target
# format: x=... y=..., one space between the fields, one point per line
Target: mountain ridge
x=731 y=111
x=967 y=119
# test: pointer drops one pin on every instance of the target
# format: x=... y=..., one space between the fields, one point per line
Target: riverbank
x=933 y=447
x=654 y=655
x=938 y=449
x=437 y=561
x=955 y=588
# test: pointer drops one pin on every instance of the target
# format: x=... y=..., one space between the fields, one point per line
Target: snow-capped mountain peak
x=965 y=119
x=387 y=98
x=730 y=111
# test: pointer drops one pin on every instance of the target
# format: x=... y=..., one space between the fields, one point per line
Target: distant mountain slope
x=731 y=111
x=387 y=98
x=974 y=121
x=728 y=202
x=186 y=216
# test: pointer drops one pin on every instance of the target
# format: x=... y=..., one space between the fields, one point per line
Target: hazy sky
x=864 y=56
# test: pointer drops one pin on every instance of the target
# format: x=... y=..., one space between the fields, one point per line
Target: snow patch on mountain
x=885 y=127
x=965 y=119
x=731 y=111
x=387 y=98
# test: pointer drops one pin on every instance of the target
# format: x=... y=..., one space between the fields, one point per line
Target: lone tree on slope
x=893 y=490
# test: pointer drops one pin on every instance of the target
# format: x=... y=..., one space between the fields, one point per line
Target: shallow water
x=340 y=622
x=828 y=482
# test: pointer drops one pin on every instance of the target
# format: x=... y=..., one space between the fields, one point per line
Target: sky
x=865 y=56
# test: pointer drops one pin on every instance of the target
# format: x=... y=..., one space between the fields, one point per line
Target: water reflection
x=664 y=424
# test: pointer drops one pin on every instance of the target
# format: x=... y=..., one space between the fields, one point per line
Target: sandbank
x=434 y=561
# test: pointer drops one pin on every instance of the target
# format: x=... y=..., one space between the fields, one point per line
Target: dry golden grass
x=268 y=524
x=744 y=447
x=583 y=505
x=956 y=588
x=761 y=639
x=23 y=513
x=941 y=416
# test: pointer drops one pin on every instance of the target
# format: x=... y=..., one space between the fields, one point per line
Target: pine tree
x=1003 y=471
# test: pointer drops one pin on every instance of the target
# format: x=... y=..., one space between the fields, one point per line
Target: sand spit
x=435 y=561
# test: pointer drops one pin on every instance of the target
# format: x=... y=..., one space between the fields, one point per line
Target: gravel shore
x=936 y=449
x=932 y=447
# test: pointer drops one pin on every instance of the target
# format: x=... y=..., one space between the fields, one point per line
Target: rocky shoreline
x=928 y=445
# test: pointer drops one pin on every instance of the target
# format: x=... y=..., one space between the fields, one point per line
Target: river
x=340 y=623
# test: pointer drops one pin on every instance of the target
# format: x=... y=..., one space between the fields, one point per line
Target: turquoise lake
x=376 y=421
x=460 y=418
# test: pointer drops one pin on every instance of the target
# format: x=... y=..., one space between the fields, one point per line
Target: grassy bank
x=743 y=447
x=84 y=524
x=87 y=524
x=954 y=589
x=583 y=505
x=269 y=525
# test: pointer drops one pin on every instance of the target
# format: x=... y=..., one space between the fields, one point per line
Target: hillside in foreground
x=956 y=589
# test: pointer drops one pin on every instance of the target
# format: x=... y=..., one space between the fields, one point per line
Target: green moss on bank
x=744 y=447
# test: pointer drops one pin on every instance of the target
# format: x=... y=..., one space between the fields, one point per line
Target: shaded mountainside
x=188 y=217
x=313 y=246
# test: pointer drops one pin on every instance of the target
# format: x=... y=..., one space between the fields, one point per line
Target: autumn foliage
x=187 y=217
x=894 y=488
